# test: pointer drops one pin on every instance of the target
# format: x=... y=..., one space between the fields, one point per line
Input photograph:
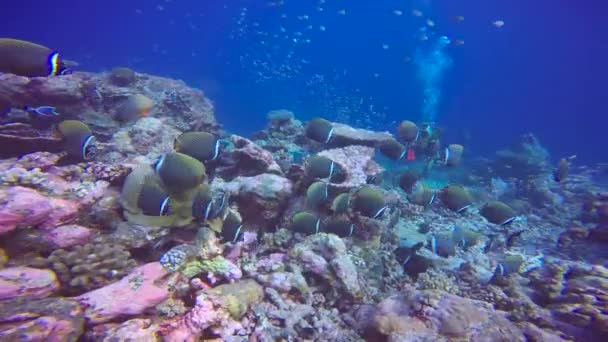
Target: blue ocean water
x=368 y=63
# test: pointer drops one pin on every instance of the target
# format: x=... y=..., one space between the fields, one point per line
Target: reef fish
x=200 y=145
x=562 y=170
x=320 y=130
x=42 y=111
x=135 y=106
x=77 y=138
x=25 y=58
x=369 y=202
x=179 y=172
x=231 y=228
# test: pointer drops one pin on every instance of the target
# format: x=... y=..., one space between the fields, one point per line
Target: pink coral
x=41 y=160
x=69 y=235
x=22 y=207
x=45 y=328
x=138 y=329
x=132 y=295
x=202 y=316
x=63 y=212
x=27 y=282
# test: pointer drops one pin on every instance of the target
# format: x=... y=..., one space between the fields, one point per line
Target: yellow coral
x=437 y=280
x=3 y=258
x=239 y=296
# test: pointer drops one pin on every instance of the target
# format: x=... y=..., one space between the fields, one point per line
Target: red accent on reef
x=411 y=154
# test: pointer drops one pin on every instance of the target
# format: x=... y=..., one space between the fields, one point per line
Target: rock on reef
x=248 y=159
x=27 y=282
x=345 y=135
x=49 y=319
x=261 y=198
x=138 y=329
x=132 y=295
x=356 y=162
x=22 y=207
x=432 y=315
x=148 y=137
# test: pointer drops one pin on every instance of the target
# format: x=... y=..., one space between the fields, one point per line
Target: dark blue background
x=545 y=71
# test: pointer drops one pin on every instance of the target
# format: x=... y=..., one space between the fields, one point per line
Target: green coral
x=237 y=297
x=216 y=265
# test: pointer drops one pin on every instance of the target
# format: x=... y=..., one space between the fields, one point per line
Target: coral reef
x=173 y=229
x=575 y=293
x=527 y=157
